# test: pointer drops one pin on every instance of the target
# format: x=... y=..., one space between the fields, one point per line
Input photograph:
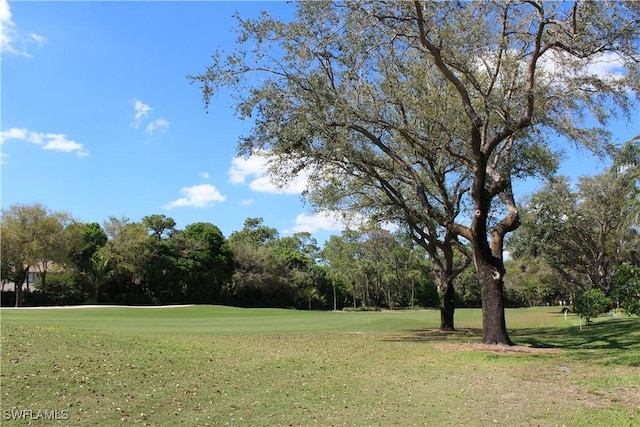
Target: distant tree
x=101 y=271
x=265 y=271
x=32 y=238
x=339 y=253
x=626 y=288
x=581 y=234
x=380 y=268
x=129 y=250
x=206 y=261
x=254 y=233
x=84 y=240
x=591 y=304
x=301 y=243
x=532 y=281
x=417 y=97
x=469 y=288
x=261 y=278
x=356 y=259
x=627 y=163
x=159 y=226
x=301 y=253
x=161 y=273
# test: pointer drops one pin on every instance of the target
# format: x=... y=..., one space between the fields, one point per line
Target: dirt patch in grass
x=469 y=346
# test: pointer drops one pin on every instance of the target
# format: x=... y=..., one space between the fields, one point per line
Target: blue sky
x=99 y=119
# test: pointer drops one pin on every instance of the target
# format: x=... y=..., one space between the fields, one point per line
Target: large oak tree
x=425 y=112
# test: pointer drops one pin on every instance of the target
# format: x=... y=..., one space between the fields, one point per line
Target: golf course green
x=215 y=365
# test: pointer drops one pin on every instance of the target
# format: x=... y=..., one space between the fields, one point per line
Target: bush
x=362 y=308
x=591 y=304
x=60 y=289
x=7 y=298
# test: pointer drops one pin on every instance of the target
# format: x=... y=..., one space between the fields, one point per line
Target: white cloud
x=141 y=114
x=11 y=41
x=247 y=202
x=59 y=142
x=47 y=141
x=5 y=12
x=160 y=124
x=13 y=133
x=255 y=169
x=197 y=196
x=327 y=220
x=141 y=111
x=7 y=31
x=242 y=168
x=335 y=221
x=264 y=184
x=204 y=175
x=608 y=65
x=40 y=40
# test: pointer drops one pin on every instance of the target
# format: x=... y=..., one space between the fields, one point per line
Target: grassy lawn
x=208 y=365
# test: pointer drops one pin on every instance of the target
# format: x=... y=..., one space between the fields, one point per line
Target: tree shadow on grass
x=610 y=341
x=438 y=336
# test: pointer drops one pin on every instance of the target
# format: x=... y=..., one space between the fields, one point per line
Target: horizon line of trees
x=153 y=262
x=572 y=242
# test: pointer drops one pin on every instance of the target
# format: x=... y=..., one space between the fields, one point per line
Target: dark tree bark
x=447 y=306
x=494 y=327
x=22 y=274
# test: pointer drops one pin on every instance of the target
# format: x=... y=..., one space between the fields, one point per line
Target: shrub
x=362 y=308
x=591 y=304
x=60 y=289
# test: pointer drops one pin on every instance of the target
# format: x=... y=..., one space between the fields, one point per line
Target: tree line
x=576 y=246
x=153 y=262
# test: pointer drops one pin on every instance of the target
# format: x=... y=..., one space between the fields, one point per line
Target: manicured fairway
x=209 y=365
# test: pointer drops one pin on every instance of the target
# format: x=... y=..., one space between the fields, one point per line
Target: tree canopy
x=583 y=234
x=425 y=112
x=32 y=238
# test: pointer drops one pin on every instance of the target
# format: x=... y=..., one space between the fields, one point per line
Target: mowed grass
x=210 y=365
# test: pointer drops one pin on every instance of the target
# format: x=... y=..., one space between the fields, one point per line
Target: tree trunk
x=447 y=306
x=353 y=294
x=21 y=276
x=487 y=257
x=413 y=293
x=43 y=279
x=494 y=326
x=18 y=294
x=366 y=296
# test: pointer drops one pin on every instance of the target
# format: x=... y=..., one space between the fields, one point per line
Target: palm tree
x=101 y=271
